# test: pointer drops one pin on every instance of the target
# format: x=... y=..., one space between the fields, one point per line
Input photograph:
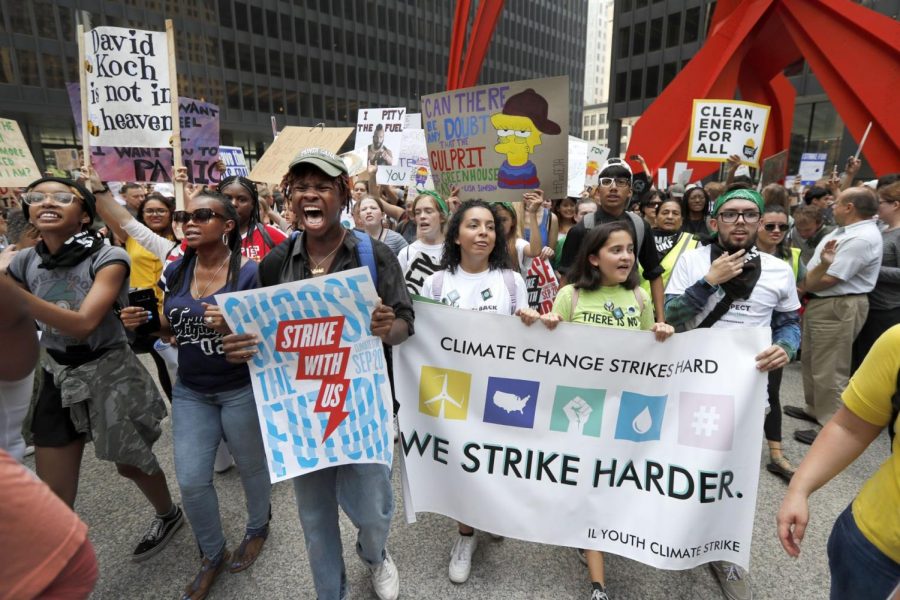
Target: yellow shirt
x=877 y=507
x=146 y=269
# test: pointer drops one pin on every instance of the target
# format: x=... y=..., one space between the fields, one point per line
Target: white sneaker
x=385 y=579
x=224 y=460
x=461 y=558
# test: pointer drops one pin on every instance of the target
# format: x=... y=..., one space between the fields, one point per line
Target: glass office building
x=303 y=61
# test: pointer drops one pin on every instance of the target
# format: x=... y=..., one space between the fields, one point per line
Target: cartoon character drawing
x=749 y=148
x=519 y=127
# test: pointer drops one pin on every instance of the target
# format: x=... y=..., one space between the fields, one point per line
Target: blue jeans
x=858 y=568
x=199 y=421
x=364 y=492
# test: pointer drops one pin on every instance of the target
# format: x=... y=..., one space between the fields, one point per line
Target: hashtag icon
x=705 y=421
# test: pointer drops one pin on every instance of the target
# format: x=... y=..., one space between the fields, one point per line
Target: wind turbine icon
x=443 y=397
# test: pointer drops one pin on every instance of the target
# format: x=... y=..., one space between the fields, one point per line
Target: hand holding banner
x=319 y=376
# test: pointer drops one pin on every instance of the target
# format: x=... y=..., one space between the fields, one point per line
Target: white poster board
x=721 y=128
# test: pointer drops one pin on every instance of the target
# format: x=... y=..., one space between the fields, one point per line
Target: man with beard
x=730 y=284
x=379 y=154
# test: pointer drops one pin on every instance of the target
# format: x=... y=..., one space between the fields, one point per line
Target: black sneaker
x=598 y=592
x=158 y=535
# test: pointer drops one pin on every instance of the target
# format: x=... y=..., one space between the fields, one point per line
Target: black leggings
x=772 y=424
x=144 y=345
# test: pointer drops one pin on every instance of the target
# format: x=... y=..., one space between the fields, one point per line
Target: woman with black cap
x=95 y=389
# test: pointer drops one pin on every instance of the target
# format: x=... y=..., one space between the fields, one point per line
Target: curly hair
x=234 y=245
x=452 y=255
x=584 y=275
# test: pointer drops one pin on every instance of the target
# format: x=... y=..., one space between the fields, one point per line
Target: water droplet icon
x=643 y=421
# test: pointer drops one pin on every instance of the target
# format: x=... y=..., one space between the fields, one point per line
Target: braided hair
x=253 y=222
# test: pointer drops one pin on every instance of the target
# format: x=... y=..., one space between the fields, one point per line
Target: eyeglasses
x=322 y=188
x=782 y=227
x=731 y=216
x=156 y=212
x=621 y=182
x=64 y=198
x=201 y=216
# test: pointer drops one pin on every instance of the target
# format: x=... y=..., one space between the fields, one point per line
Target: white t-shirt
x=776 y=290
x=857 y=261
x=524 y=262
x=417 y=262
x=485 y=291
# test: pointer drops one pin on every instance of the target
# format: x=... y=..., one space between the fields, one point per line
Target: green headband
x=437 y=198
x=739 y=194
x=509 y=206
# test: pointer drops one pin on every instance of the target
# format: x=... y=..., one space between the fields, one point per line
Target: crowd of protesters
x=820 y=266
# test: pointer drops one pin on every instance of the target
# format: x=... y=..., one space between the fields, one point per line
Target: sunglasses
x=201 y=216
x=782 y=227
x=64 y=198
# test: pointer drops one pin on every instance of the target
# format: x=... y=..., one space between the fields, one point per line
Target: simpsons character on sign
x=519 y=127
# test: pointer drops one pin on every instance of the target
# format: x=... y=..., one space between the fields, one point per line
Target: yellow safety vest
x=686 y=242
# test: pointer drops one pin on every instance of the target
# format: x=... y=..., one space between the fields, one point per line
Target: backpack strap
x=509 y=279
x=267 y=239
x=639 y=297
x=638 y=224
x=437 y=285
x=588 y=221
x=366 y=253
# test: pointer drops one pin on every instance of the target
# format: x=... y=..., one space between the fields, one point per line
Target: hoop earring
x=225 y=239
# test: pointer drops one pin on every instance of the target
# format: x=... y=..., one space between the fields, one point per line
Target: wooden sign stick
x=82 y=77
x=176 y=124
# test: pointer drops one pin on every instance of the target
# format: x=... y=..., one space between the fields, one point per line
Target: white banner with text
x=592 y=438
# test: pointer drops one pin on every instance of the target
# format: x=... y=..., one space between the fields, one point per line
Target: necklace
x=198 y=294
x=318 y=269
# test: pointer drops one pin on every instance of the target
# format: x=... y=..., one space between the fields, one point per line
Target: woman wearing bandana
x=731 y=284
x=94 y=388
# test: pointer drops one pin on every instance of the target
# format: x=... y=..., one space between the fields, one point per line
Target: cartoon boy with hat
x=519 y=127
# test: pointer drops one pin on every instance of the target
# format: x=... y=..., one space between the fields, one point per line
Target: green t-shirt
x=606 y=307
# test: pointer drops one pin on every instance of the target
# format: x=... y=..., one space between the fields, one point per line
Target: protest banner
x=412 y=121
x=679 y=168
x=354 y=161
x=597 y=155
x=235 y=163
x=272 y=166
x=411 y=168
x=128 y=91
x=542 y=285
x=496 y=141
x=684 y=177
x=17 y=166
x=721 y=128
x=577 y=167
x=773 y=170
x=662 y=179
x=379 y=134
x=319 y=377
x=600 y=439
x=199 y=129
x=812 y=167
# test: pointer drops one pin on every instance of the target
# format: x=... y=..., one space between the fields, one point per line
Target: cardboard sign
x=412 y=121
x=199 y=123
x=235 y=164
x=66 y=159
x=379 y=134
x=812 y=167
x=411 y=168
x=773 y=169
x=319 y=377
x=597 y=155
x=644 y=449
x=129 y=100
x=273 y=165
x=497 y=141
x=17 y=166
x=721 y=128
x=684 y=177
